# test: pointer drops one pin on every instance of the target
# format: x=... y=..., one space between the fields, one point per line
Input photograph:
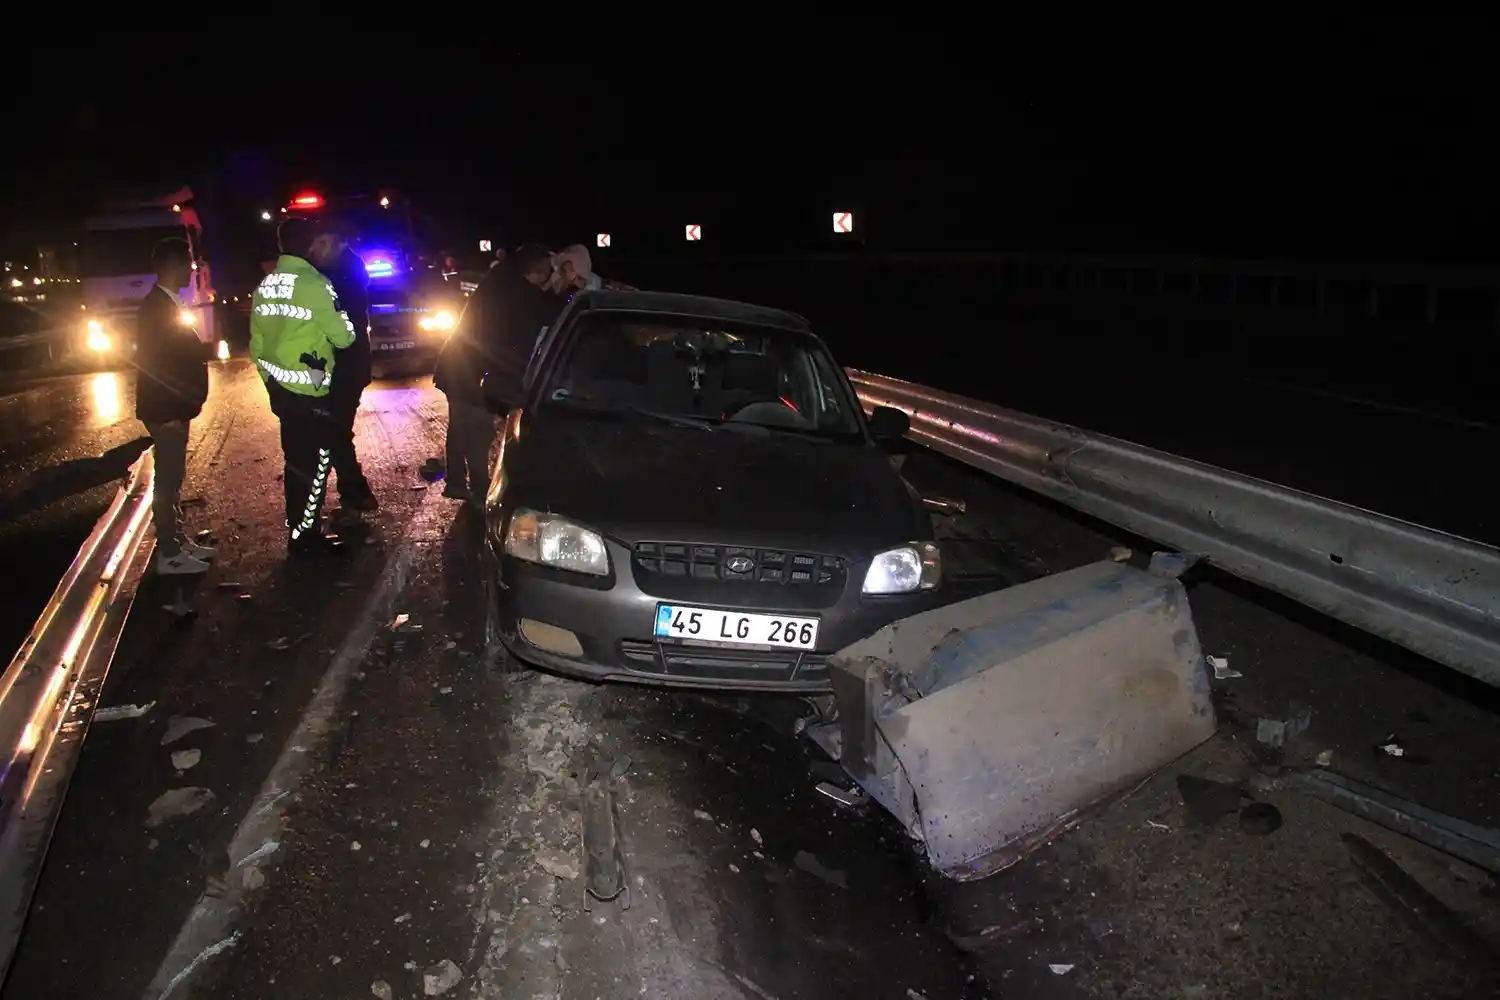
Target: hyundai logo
x=740 y=564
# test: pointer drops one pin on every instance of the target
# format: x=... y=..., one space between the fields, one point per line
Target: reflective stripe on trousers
x=315 y=495
x=308 y=376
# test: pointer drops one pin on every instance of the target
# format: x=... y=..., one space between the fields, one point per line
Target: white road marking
x=209 y=925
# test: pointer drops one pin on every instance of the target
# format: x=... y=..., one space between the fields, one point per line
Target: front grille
x=727 y=664
x=722 y=562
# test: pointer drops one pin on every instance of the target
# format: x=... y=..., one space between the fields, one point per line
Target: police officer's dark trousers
x=352 y=482
x=307 y=432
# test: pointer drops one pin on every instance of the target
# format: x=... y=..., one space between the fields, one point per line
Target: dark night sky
x=1343 y=139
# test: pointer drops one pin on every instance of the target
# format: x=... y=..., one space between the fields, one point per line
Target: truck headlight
x=441 y=321
x=98 y=339
x=914 y=566
x=549 y=540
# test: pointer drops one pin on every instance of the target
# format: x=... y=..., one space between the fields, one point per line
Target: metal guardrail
x=1434 y=593
x=49 y=691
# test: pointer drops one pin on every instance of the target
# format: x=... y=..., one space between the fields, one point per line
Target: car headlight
x=549 y=540
x=441 y=321
x=914 y=566
x=98 y=340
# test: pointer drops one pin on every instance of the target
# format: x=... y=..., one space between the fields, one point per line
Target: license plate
x=735 y=628
x=400 y=345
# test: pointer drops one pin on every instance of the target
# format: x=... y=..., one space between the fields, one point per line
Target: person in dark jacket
x=171 y=387
x=351 y=283
x=495 y=337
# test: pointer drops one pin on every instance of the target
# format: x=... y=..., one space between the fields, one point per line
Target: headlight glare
x=912 y=567
x=549 y=540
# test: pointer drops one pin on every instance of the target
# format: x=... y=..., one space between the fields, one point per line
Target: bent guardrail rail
x=1434 y=593
x=48 y=693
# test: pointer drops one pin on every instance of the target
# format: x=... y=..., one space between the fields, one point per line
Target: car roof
x=695 y=306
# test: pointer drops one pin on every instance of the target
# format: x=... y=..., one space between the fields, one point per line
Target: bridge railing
x=1434 y=593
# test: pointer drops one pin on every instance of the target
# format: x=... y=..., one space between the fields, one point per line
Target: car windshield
x=709 y=372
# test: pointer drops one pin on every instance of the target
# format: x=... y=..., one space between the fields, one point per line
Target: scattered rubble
x=184 y=759
x=176 y=803
x=441 y=978
x=116 y=712
x=179 y=726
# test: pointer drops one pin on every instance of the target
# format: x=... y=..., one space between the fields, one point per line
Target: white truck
x=116 y=267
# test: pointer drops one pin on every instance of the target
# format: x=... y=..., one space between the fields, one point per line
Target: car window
x=711 y=372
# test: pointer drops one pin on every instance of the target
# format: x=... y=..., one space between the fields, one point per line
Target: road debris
x=400 y=620
x=1060 y=970
x=1222 y=671
x=382 y=989
x=755 y=835
x=815 y=868
x=354 y=845
x=605 y=874
x=179 y=726
x=1278 y=733
x=254 y=738
x=1394 y=746
x=279 y=643
x=1260 y=819
x=403 y=918
x=176 y=803
x=114 y=713
x=440 y=978
x=700 y=814
x=1120 y=554
x=558 y=865
x=184 y=759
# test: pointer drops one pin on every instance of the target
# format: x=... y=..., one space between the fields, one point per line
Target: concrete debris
x=279 y=643
x=1277 y=733
x=441 y=978
x=1060 y=970
x=116 y=712
x=700 y=814
x=1222 y=671
x=354 y=846
x=403 y=918
x=814 y=867
x=179 y=726
x=184 y=759
x=382 y=989
x=265 y=850
x=755 y=835
x=558 y=865
x=426 y=843
x=1325 y=758
x=176 y=803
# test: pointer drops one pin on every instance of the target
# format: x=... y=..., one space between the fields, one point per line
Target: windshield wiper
x=668 y=418
x=592 y=405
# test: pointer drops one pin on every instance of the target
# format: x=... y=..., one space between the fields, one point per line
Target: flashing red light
x=308 y=200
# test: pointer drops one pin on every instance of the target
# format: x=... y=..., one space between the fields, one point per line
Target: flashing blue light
x=380 y=268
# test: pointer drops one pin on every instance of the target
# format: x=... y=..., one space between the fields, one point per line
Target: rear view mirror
x=888 y=424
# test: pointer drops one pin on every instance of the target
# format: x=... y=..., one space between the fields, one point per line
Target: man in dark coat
x=171 y=387
x=495 y=337
x=351 y=283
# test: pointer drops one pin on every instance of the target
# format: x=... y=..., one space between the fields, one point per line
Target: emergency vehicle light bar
x=379 y=268
x=308 y=200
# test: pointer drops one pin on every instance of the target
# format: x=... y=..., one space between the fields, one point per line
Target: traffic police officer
x=296 y=325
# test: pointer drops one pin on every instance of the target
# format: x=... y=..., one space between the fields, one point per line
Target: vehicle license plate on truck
x=676 y=621
x=400 y=345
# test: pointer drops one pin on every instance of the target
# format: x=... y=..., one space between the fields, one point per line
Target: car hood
x=637 y=480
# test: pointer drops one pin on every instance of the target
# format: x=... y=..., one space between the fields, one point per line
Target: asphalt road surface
x=376 y=807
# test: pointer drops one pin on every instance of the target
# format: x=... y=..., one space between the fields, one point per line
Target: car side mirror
x=501 y=395
x=888 y=424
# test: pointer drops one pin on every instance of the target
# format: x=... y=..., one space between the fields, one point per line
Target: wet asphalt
x=387 y=807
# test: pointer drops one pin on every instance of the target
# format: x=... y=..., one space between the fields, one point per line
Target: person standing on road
x=351 y=286
x=171 y=386
x=296 y=325
x=495 y=336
